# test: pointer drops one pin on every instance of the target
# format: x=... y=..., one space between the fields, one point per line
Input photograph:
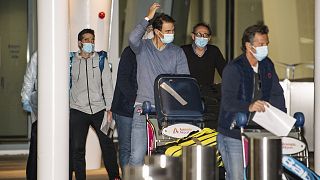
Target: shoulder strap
x=71 y=55
x=102 y=59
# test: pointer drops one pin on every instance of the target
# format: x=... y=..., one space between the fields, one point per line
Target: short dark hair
x=85 y=31
x=203 y=25
x=158 y=21
x=250 y=32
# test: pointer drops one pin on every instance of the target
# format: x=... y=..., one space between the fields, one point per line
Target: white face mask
x=88 y=47
x=201 y=41
x=261 y=52
x=167 y=38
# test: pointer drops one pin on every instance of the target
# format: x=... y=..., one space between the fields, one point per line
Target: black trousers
x=79 y=127
x=31 y=169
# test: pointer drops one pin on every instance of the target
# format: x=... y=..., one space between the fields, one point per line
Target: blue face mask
x=201 y=41
x=261 y=52
x=87 y=47
x=167 y=38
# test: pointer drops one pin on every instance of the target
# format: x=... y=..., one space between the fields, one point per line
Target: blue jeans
x=124 y=126
x=231 y=153
x=138 y=138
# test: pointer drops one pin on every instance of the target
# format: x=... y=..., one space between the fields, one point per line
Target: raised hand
x=152 y=10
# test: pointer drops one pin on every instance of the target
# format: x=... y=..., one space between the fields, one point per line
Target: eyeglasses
x=204 y=35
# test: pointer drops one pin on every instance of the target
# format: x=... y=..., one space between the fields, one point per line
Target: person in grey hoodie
x=154 y=57
x=90 y=96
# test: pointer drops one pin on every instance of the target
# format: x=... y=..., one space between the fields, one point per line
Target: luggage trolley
x=293 y=145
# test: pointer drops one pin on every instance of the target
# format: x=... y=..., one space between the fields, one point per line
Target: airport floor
x=12 y=167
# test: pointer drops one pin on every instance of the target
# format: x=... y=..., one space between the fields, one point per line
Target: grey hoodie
x=86 y=92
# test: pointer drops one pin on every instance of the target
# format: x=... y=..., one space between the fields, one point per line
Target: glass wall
x=291 y=25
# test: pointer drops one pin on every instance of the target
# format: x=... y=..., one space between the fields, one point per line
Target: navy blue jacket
x=126 y=86
x=238 y=87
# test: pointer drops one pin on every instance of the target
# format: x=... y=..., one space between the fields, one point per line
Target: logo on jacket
x=269 y=75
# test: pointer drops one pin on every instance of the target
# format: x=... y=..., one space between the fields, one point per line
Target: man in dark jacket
x=123 y=102
x=248 y=83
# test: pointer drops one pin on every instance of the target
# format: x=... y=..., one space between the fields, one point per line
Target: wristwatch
x=147 y=19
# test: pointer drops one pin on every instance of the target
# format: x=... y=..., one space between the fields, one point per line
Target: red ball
x=101 y=15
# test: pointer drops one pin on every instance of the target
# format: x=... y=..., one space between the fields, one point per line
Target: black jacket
x=126 y=86
x=238 y=88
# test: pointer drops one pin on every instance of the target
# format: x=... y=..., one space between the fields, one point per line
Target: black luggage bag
x=177 y=99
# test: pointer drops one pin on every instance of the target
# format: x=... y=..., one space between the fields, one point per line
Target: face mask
x=87 y=47
x=167 y=38
x=261 y=52
x=201 y=42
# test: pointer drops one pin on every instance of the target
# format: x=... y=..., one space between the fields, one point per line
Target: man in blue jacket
x=248 y=83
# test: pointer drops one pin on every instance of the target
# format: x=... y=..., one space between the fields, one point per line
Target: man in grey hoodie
x=154 y=56
x=90 y=96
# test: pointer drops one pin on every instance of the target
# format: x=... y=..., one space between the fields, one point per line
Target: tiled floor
x=13 y=168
